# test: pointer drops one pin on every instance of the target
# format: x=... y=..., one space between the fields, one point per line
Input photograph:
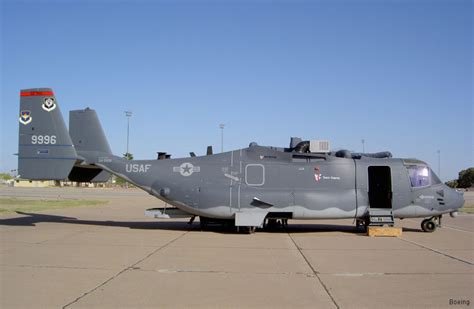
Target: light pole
x=363 y=145
x=222 y=136
x=128 y=114
x=439 y=163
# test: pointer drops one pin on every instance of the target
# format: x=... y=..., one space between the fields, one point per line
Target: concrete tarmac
x=112 y=256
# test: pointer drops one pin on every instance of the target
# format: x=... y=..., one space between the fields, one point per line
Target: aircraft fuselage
x=306 y=186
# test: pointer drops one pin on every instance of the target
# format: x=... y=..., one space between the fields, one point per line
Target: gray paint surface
x=236 y=184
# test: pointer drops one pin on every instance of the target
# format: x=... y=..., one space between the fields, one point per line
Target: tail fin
x=47 y=151
x=87 y=133
x=90 y=143
x=45 y=147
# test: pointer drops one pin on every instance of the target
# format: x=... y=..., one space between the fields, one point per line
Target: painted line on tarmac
x=53 y=267
x=456 y=229
x=224 y=272
x=315 y=273
x=124 y=270
x=393 y=274
x=436 y=251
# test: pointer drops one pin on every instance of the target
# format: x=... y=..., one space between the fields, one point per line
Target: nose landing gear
x=362 y=223
x=430 y=225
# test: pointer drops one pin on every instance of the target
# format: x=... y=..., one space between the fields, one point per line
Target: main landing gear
x=249 y=229
x=430 y=225
x=274 y=223
x=205 y=222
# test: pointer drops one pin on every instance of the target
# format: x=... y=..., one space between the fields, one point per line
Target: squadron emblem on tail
x=49 y=104
x=25 y=117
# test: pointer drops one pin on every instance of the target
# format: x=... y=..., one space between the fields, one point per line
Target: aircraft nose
x=454 y=199
x=460 y=199
x=457 y=199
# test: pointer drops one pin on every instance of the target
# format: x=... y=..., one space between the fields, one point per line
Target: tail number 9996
x=43 y=139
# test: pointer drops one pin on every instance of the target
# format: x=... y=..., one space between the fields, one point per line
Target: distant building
x=33 y=183
x=24 y=183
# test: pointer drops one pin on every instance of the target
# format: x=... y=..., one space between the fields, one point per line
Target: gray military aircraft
x=248 y=187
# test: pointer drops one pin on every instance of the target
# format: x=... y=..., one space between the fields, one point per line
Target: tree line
x=465 y=179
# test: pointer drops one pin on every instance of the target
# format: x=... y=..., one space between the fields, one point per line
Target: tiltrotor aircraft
x=249 y=187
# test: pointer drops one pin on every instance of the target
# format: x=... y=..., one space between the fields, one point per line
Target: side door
x=380 y=187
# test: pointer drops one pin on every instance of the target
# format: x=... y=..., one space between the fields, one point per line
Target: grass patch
x=12 y=205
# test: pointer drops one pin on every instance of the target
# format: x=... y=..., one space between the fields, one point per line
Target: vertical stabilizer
x=45 y=147
x=90 y=143
x=87 y=133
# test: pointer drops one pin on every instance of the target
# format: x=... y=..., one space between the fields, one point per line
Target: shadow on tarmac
x=31 y=219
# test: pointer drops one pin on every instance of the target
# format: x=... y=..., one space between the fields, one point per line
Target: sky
x=396 y=73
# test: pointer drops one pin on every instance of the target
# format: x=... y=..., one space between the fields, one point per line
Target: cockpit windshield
x=419 y=175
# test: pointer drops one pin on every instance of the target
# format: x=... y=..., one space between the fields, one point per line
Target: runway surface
x=112 y=256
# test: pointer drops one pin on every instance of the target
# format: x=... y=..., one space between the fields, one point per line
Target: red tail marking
x=36 y=93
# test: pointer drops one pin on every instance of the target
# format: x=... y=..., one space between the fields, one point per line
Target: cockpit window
x=419 y=175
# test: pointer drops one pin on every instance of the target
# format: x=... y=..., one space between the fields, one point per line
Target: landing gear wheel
x=272 y=224
x=362 y=223
x=428 y=225
x=249 y=229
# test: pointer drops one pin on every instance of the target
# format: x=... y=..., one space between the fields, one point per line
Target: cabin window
x=419 y=175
